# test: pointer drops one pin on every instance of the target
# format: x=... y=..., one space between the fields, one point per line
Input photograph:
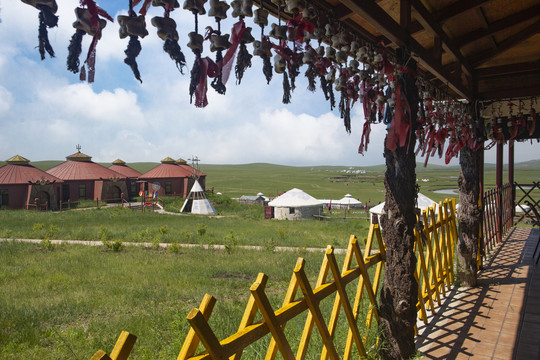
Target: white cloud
x=45 y=111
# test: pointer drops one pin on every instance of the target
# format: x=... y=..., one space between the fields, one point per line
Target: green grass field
x=65 y=302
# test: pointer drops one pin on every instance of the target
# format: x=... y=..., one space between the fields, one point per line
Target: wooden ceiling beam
x=510 y=93
x=457 y=9
x=513 y=40
x=497 y=26
x=508 y=69
x=427 y=20
x=378 y=18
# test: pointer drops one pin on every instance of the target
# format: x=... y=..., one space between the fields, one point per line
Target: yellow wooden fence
x=435 y=235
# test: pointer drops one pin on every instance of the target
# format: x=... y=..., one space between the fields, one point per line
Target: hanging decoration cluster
x=304 y=34
x=501 y=129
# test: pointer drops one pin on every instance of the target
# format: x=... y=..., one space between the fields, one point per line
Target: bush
x=173 y=248
x=231 y=242
x=113 y=245
x=201 y=229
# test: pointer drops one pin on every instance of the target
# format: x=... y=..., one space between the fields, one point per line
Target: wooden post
x=498 y=185
x=399 y=293
x=511 y=178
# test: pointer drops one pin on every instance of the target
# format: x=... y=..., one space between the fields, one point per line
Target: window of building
x=291 y=210
x=168 y=188
x=82 y=191
x=4 y=198
x=133 y=189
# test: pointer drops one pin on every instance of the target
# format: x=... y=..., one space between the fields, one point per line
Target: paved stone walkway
x=499 y=319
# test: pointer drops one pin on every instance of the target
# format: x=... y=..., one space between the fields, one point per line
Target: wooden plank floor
x=499 y=319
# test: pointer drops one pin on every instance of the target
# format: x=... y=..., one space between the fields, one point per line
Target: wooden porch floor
x=499 y=319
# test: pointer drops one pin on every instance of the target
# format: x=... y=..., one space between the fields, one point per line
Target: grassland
x=70 y=301
x=65 y=302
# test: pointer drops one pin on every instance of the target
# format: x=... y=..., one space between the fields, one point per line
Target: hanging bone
x=167 y=31
x=47 y=19
x=87 y=22
x=263 y=47
x=219 y=42
x=134 y=27
x=242 y=8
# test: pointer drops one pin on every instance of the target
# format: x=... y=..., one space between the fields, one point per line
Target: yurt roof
x=294 y=198
x=83 y=170
x=349 y=200
x=79 y=156
x=125 y=170
x=167 y=170
x=119 y=162
x=423 y=203
x=181 y=161
x=19 y=171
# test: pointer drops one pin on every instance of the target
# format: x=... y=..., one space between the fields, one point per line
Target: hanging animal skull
x=219 y=42
x=166 y=27
x=279 y=32
x=84 y=22
x=261 y=17
x=131 y=26
x=279 y=64
x=195 y=6
x=218 y=9
x=242 y=8
x=195 y=42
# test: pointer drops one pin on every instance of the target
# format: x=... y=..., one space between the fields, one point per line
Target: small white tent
x=347 y=202
x=295 y=204
x=423 y=203
x=197 y=202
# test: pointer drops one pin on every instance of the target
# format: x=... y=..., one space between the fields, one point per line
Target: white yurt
x=423 y=203
x=347 y=202
x=295 y=205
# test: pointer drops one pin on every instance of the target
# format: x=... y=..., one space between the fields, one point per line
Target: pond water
x=447 y=191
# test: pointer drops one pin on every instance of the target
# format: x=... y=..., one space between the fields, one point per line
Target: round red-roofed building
x=131 y=175
x=85 y=179
x=171 y=178
x=23 y=186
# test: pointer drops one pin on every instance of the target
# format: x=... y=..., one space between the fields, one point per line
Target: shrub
x=47 y=245
x=104 y=233
x=38 y=227
x=231 y=242
x=173 y=248
x=201 y=229
x=163 y=230
x=113 y=245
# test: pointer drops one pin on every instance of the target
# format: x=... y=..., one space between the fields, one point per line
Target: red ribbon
x=207 y=68
x=400 y=125
x=301 y=26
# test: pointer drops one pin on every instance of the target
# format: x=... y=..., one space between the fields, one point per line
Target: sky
x=45 y=111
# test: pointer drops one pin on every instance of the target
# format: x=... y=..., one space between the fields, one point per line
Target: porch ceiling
x=476 y=49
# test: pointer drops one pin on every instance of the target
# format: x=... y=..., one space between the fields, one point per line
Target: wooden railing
x=435 y=236
x=498 y=216
x=527 y=197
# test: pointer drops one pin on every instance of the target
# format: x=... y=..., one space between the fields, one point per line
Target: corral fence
x=435 y=237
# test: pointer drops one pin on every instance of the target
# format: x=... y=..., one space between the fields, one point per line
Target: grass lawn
x=67 y=302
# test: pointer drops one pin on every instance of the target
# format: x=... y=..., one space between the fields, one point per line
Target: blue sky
x=45 y=110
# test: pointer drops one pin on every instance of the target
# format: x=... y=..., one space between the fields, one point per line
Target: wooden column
x=399 y=293
x=511 y=177
x=498 y=186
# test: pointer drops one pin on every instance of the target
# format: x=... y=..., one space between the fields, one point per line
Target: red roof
x=83 y=170
x=22 y=174
x=125 y=170
x=168 y=171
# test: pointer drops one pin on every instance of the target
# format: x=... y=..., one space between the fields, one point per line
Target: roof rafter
x=378 y=18
x=513 y=40
x=496 y=26
x=456 y=9
x=427 y=20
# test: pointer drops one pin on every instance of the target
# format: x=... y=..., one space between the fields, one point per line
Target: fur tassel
x=267 y=69
x=243 y=61
x=194 y=80
x=172 y=48
x=133 y=50
x=46 y=19
x=286 y=89
x=74 y=51
x=310 y=74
